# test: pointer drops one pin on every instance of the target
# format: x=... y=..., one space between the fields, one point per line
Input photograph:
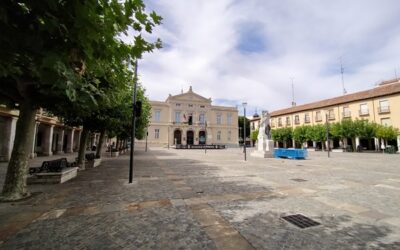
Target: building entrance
x=189 y=137
x=178 y=137
x=202 y=137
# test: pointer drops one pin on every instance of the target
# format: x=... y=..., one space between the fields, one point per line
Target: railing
x=288 y=123
x=279 y=124
x=346 y=114
x=307 y=120
x=363 y=112
x=318 y=119
x=331 y=117
x=383 y=109
x=296 y=121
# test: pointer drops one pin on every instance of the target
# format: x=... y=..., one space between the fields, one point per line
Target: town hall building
x=190 y=119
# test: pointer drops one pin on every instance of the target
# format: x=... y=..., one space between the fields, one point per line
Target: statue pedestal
x=266 y=150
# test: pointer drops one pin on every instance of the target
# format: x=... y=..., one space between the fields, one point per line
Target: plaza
x=192 y=199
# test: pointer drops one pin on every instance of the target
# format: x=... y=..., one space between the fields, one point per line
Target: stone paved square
x=189 y=199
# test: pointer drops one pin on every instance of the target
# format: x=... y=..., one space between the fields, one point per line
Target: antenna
x=342 y=71
x=293 y=102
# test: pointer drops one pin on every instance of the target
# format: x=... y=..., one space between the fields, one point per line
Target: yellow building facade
x=380 y=105
x=190 y=119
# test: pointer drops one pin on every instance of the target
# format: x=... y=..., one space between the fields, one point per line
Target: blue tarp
x=290 y=153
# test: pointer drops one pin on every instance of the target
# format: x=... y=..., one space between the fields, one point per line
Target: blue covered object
x=290 y=153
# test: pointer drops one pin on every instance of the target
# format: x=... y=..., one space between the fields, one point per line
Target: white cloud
x=300 y=39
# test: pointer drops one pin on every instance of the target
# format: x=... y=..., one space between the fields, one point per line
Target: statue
x=264 y=143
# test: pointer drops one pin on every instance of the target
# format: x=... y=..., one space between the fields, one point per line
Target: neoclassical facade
x=190 y=119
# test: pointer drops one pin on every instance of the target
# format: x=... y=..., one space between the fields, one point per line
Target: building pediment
x=189 y=96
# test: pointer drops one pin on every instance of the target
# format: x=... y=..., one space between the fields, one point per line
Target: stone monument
x=265 y=145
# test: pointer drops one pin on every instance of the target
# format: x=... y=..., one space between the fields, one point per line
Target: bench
x=52 y=166
x=90 y=156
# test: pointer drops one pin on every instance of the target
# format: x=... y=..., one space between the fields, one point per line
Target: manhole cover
x=298 y=180
x=300 y=221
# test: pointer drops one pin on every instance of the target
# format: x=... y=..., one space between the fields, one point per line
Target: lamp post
x=133 y=124
x=327 y=133
x=244 y=129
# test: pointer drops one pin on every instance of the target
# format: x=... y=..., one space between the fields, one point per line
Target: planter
x=54 y=177
x=114 y=154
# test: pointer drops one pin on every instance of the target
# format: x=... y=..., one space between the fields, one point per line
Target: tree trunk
x=100 y=146
x=353 y=141
x=82 y=148
x=15 y=184
x=117 y=145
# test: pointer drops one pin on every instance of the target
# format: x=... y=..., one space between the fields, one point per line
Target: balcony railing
x=288 y=123
x=307 y=120
x=346 y=114
x=363 y=112
x=279 y=124
x=331 y=117
x=296 y=121
x=318 y=119
x=383 y=109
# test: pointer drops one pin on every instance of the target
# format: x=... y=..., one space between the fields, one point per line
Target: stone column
x=9 y=142
x=377 y=145
x=60 y=142
x=35 y=134
x=78 y=140
x=357 y=142
x=398 y=144
x=70 y=142
x=48 y=141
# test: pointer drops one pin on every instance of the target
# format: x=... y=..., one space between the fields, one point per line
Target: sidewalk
x=189 y=199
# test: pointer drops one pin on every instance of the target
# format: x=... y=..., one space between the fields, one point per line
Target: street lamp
x=134 y=113
x=327 y=133
x=244 y=129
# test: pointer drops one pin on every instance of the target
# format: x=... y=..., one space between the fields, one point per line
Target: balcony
x=297 y=121
x=307 y=120
x=383 y=109
x=363 y=112
x=318 y=119
x=346 y=114
x=279 y=124
x=331 y=117
x=288 y=123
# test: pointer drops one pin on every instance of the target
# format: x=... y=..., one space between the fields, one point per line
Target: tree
x=318 y=133
x=386 y=133
x=254 y=135
x=300 y=134
x=47 y=48
x=282 y=135
x=241 y=126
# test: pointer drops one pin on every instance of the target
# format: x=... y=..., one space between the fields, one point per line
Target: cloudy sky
x=248 y=50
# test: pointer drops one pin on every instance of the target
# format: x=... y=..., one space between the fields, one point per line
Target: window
x=190 y=105
x=157 y=115
x=272 y=123
x=178 y=105
x=346 y=112
x=297 y=119
x=364 y=109
x=219 y=119
x=279 y=122
x=156 y=133
x=386 y=122
x=306 y=118
x=318 y=116
x=219 y=136
x=202 y=106
x=331 y=114
x=190 y=119
x=202 y=118
x=177 y=116
x=229 y=135
x=229 y=119
x=383 y=106
x=288 y=120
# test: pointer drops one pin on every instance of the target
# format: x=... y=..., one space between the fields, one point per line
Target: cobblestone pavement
x=186 y=199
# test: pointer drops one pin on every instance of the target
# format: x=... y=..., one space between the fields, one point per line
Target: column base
x=32 y=155
x=47 y=153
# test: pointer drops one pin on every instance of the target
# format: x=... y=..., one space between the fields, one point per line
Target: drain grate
x=300 y=221
x=298 y=180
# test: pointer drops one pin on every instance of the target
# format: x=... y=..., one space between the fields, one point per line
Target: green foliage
x=254 y=135
x=317 y=133
x=241 y=125
x=282 y=134
x=387 y=132
x=301 y=133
